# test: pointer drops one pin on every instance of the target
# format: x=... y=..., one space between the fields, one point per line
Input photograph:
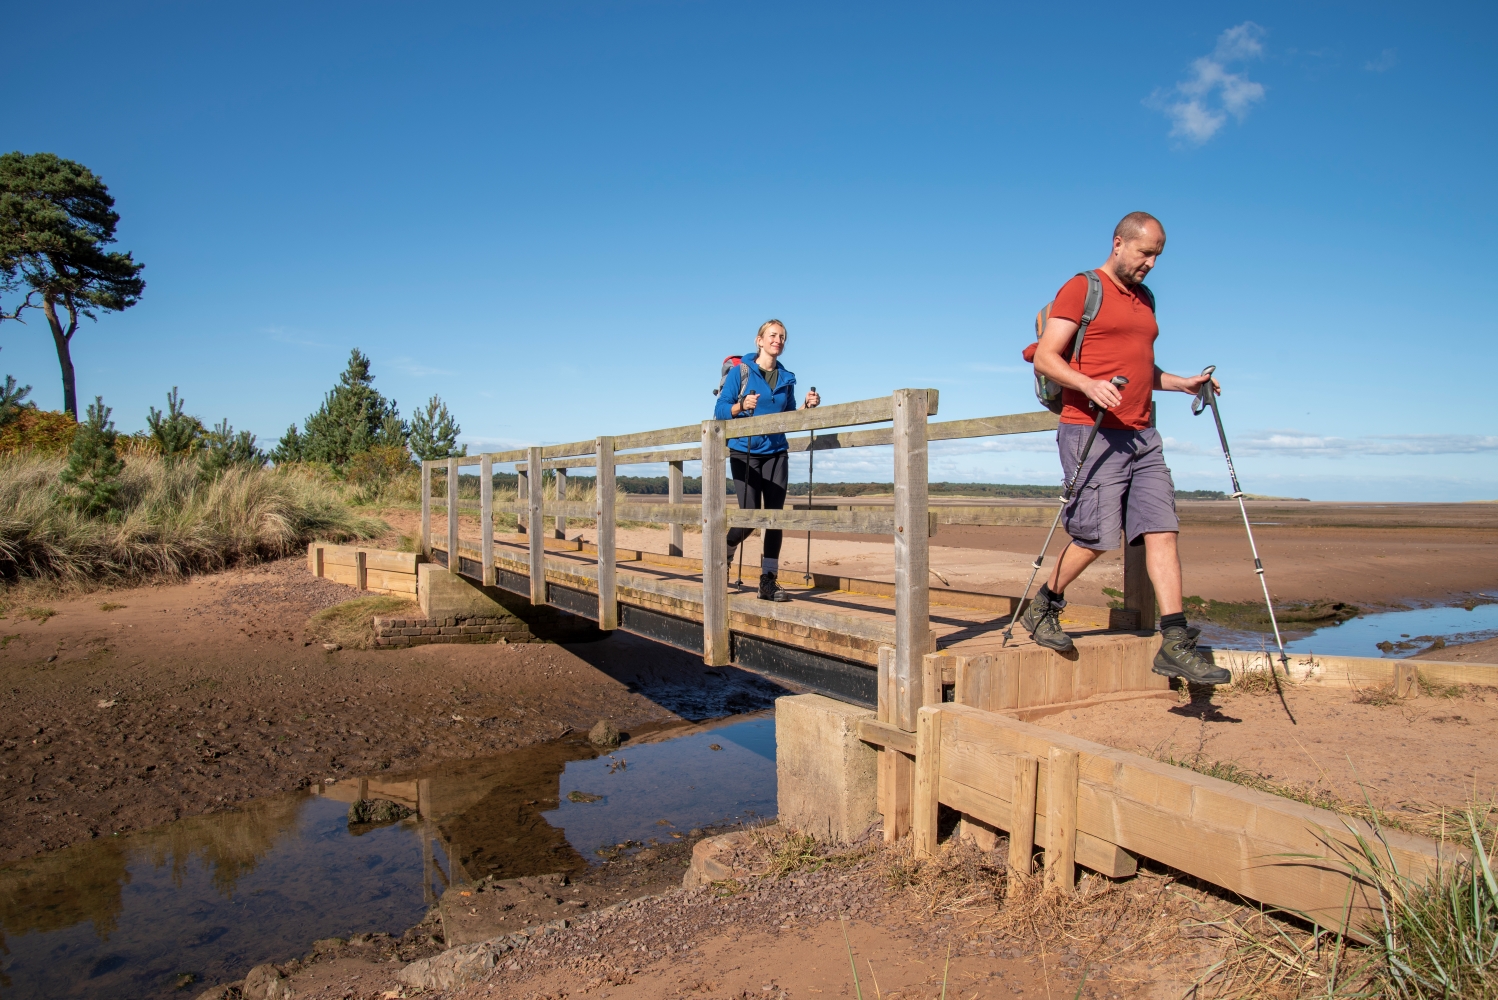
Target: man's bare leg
x=1074 y=559
x=1163 y=561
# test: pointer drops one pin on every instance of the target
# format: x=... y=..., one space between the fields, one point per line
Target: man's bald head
x=1135 y=225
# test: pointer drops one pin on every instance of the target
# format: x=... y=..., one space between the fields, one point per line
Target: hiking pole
x=1206 y=397
x=1118 y=382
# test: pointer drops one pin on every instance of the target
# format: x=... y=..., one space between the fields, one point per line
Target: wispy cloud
x=1386 y=61
x=1199 y=105
x=282 y=335
x=1322 y=446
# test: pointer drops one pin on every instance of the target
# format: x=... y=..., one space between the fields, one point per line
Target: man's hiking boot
x=1178 y=658
x=769 y=590
x=1041 y=621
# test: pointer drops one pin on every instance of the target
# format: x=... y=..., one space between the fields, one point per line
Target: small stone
x=377 y=811
x=331 y=647
x=265 y=982
x=604 y=734
x=325 y=945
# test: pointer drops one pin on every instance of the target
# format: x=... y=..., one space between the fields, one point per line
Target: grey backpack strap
x=743 y=382
x=1090 y=309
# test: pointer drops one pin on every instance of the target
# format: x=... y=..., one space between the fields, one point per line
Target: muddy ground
x=127 y=709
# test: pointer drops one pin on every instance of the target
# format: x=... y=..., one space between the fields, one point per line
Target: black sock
x=1177 y=620
x=1050 y=595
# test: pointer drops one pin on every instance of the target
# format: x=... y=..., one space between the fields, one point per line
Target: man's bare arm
x=1056 y=340
x=1166 y=382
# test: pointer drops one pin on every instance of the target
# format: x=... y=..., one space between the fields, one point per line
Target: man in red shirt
x=1125 y=487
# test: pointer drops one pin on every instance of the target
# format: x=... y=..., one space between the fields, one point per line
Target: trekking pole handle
x=1205 y=393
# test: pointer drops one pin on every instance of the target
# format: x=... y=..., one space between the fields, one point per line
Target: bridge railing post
x=603 y=509
x=452 y=516
x=561 y=490
x=673 y=496
x=426 y=508
x=912 y=554
x=522 y=495
x=715 y=648
x=1139 y=591
x=537 y=536
x=486 y=517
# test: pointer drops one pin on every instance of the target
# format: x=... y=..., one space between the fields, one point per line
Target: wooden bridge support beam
x=673 y=495
x=426 y=509
x=603 y=509
x=714 y=545
x=486 y=517
x=912 y=554
x=537 y=536
x=452 y=516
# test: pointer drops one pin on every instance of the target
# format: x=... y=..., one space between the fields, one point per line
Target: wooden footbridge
x=829 y=637
x=954 y=701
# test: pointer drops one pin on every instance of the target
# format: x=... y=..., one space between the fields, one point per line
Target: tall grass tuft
x=164 y=522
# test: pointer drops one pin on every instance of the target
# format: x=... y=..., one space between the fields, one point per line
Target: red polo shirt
x=1120 y=341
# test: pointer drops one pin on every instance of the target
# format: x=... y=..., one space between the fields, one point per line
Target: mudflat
x=129 y=708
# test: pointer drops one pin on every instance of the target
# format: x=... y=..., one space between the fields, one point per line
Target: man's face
x=772 y=341
x=1134 y=258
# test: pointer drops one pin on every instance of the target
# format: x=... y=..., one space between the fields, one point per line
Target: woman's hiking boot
x=769 y=590
x=1041 y=620
x=1178 y=657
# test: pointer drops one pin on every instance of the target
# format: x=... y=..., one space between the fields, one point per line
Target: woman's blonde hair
x=767 y=324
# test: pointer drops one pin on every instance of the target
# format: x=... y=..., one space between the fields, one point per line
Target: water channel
x=1405 y=632
x=211 y=896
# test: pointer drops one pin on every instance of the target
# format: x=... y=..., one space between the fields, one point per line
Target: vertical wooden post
x=537 y=537
x=361 y=570
x=1061 y=820
x=673 y=495
x=561 y=491
x=522 y=495
x=715 y=546
x=603 y=510
x=426 y=508
x=452 y=516
x=912 y=553
x=317 y=560
x=896 y=777
x=927 y=778
x=1139 y=592
x=486 y=517
x=1022 y=813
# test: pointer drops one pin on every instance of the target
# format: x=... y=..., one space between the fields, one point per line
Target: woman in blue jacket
x=760 y=464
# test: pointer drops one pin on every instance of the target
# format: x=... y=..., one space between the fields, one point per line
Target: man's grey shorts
x=1124 y=485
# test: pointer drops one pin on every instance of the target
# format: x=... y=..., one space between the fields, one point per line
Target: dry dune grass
x=169 y=521
x=351 y=624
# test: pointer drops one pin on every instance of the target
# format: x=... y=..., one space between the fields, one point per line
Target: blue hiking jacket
x=781 y=400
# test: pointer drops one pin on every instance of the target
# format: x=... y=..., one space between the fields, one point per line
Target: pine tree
x=353 y=418
x=434 y=432
x=175 y=433
x=12 y=400
x=289 y=448
x=93 y=470
x=223 y=448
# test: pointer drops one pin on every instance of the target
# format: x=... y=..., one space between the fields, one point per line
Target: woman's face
x=772 y=341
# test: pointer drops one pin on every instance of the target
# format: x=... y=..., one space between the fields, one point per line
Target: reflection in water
x=1405 y=632
x=214 y=895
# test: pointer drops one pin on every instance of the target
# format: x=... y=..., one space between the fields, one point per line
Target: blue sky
x=562 y=216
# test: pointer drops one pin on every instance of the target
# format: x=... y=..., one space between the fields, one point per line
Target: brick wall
x=395 y=633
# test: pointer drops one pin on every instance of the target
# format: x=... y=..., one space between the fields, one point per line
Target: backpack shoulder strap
x=1090 y=309
x=1147 y=295
x=743 y=382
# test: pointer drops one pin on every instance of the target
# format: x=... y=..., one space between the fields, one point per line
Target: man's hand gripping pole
x=1118 y=382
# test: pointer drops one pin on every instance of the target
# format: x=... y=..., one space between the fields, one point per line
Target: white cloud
x=1323 y=446
x=1199 y=105
x=1386 y=61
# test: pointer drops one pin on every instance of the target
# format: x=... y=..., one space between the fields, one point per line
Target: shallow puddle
x=1405 y=633
x=211 y=896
